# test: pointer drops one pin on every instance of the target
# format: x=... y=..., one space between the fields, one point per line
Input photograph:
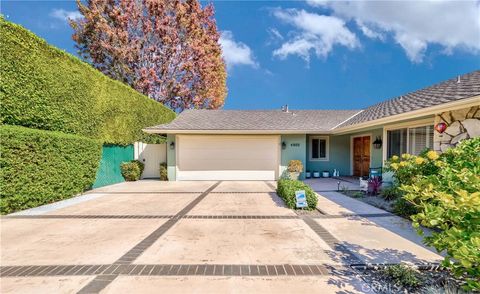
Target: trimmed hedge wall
x=286 y=190
x=39 y=167
x=45 y=88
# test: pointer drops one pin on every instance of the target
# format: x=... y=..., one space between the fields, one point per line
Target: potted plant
x=308 y=174
x=326 y=174
x=295 y=167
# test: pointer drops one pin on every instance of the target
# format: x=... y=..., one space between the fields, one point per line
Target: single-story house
x=258 y=144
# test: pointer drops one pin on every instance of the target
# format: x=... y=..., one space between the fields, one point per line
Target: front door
x=361 y=156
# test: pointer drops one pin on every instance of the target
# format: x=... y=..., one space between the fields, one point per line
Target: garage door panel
x=227 y=157
x=193 y=154
x=229 y=164
x=221 y=175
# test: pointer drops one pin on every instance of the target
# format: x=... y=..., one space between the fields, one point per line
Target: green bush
x=403 y=275
x=45 y=88
x=141 y=166
x=407 y=167
x=446 y=194
x=404 y=208
x=286 y=190
x=130 y=170
x=390 y=193
x=163 y=172
x=39 y=167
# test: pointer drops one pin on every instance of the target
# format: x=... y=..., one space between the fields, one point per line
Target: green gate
x=109 y=170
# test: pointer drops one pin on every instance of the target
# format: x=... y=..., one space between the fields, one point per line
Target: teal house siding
x=295 y=148
x=377 y=154
x=340 y=156
x=171 y=158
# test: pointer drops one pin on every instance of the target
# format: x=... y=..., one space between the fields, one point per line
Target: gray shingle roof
x=466 y=86
x=268 y=120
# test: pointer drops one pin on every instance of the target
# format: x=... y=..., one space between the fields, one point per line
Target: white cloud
x=236 y=53
x=414 y=25
x=65 y=15
x=370 y=31
x=275 y=34
x=314 y=33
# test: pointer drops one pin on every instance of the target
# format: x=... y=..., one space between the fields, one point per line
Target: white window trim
x=327 y=148
x=408 y=125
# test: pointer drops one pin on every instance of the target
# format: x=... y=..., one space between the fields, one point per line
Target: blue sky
x=316 y=54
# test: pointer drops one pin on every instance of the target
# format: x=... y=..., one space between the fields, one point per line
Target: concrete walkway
x=198 y=237
x=372 y=234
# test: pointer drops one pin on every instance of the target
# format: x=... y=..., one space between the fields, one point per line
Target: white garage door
x=225 y=157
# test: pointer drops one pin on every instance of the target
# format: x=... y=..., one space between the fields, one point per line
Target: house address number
x=295 y=144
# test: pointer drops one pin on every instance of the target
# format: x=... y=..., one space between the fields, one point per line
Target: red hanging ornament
x=441 y=127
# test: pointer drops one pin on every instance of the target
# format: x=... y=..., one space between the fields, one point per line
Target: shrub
x=130 y=171
x=447 y=196
x=404 y=208
x=374 y=185
x=403 y=275
x=295 y=166
x=286 y=190
x=358 y=194
x=390 y=193
x=141 y=166
x=40 y=167
x=45 y=88
x=407 y=167
x=163 y=172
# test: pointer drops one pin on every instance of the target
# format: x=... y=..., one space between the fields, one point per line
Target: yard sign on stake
x=301 y=199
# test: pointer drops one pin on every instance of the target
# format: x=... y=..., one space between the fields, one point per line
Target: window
x=419 y=139
x=319 y=148
x=409 y=140
x=397 y=142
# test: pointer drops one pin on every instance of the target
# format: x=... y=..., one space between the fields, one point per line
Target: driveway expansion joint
x=114 y=216
x=347 y=256
x=271 y=186
x=365 y=215
x=86 y=216
x=108 y=272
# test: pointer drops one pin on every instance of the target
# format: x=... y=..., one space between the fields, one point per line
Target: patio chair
x=375 y=172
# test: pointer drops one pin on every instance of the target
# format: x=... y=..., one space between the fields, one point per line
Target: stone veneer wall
x=461 y=124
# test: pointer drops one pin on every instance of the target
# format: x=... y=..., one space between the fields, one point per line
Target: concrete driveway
x=198 y=237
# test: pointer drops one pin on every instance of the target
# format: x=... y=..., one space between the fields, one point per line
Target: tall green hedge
x=45 y=88
x=39 y=167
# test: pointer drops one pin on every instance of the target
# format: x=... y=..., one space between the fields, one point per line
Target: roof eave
x=239 y=132
x=454 y=105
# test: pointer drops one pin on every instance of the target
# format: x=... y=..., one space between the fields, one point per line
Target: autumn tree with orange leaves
x=166 y=49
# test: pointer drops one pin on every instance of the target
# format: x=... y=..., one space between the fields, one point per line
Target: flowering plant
x=445 y=189
x=407 y=166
